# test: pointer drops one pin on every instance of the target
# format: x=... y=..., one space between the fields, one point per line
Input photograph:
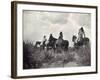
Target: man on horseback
x=50 y=38
x=61 y=35
x=60 y=39
x=51 y=42
x=81 y=34
x=44 y=41
x=81 y=40
x=62 y=44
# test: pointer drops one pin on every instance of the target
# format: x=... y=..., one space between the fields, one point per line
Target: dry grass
x=39 y=58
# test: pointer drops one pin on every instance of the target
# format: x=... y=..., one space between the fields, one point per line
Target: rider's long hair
x=82 y=29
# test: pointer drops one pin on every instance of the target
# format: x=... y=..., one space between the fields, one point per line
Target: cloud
x=36 y=24
x=55 y=18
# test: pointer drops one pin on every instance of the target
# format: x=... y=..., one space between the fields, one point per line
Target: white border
x=30 y=72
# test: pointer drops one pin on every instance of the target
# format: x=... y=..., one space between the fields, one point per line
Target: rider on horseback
x=44 y=41
x=82 y=39
x=81 y=34
x=61 y=35
x=50 y=38
x=60 y=39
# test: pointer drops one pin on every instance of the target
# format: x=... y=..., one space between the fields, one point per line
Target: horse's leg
x=43 y=47
x=59 y=49
x=54 y=48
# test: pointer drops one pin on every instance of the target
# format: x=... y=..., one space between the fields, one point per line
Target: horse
x=62 y=44
x=51 y=43
x=41 y=45
x=55 y=43
x=37 y=44
x=77 y=43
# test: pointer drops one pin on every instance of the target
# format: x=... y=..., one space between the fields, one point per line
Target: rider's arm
x=84 y=34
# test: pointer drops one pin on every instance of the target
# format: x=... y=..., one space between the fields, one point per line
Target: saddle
x=59 y=41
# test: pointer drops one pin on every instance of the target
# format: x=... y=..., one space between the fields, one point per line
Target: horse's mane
x=53 y=38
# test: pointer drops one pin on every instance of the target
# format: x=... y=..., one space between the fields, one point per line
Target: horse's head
x=74 y=38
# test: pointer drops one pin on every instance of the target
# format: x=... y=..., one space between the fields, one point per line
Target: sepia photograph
x=53 y=39
x=56 y=39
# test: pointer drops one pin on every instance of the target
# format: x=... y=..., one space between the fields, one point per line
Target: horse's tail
x=86 y=40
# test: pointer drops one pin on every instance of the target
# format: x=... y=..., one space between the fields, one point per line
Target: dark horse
x=56 y=43
x=77 y=44
x=51 y=42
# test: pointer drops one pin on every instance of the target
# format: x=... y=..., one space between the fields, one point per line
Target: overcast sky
x=36 y=24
